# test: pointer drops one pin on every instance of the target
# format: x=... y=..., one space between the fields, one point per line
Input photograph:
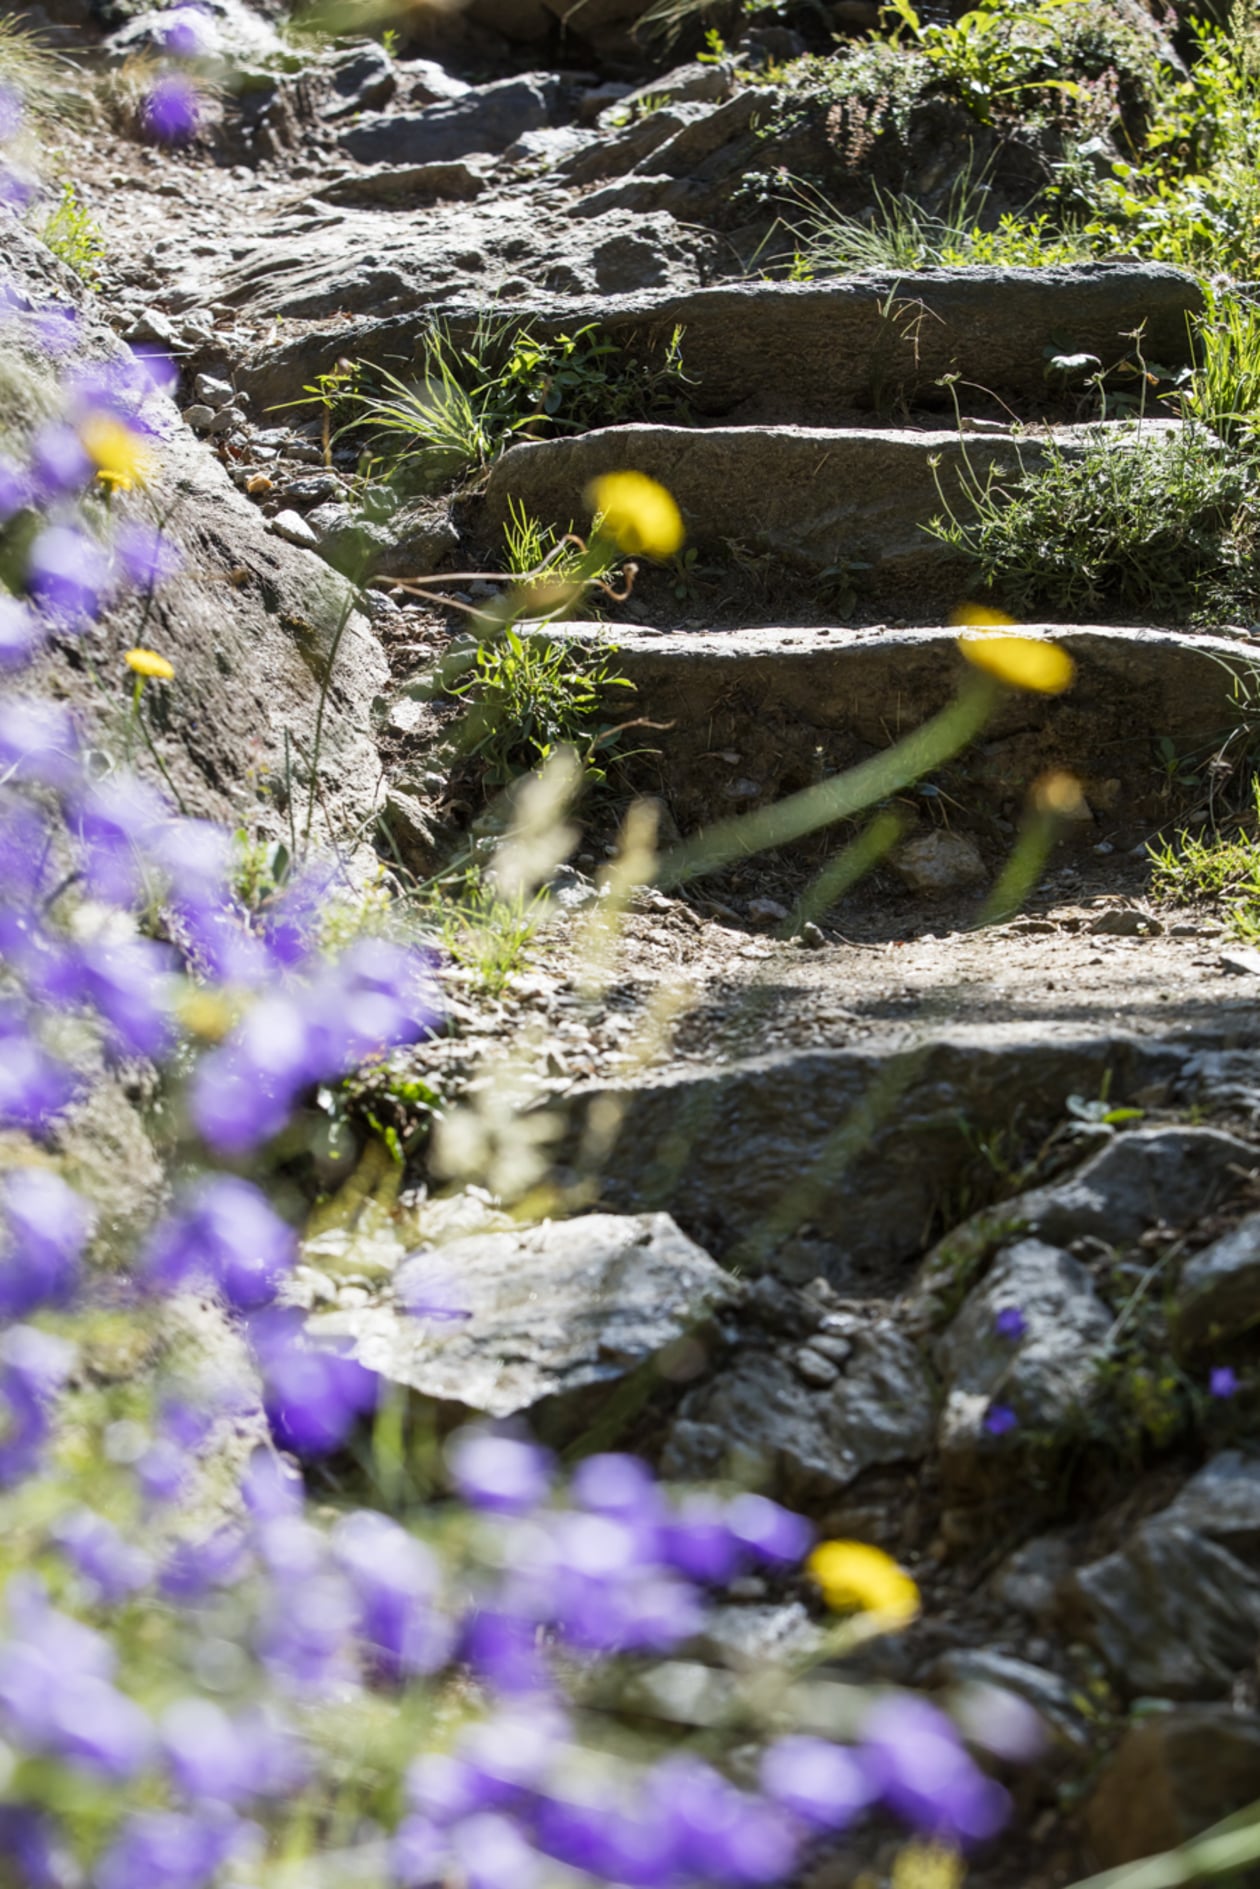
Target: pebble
x=810 y=936
x=293 y=528
x=200 y=417
x=213 y=392
x=814 y=1368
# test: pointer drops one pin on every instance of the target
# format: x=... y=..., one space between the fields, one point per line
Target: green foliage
x=991 y=53
x=530 y=546
x=72 y=233
x=1223 y=392
x=32 y=70
x=1165 y=527
x=529 y=697
x=485 y=929
x=475 y=394
x=1223 y=867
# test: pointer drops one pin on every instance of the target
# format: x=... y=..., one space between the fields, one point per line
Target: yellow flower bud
x=1022 y=662
x=857 y=1578
x=637 y=513
x=147 y=662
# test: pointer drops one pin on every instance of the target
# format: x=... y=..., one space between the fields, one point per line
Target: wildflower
x=66 y=572
x=1010 y=1324
x=177 y=1849
x=1057 y=792
x=113 y=1567
x=61 y=465
x=825 y=1784
x=121 y=458
x=637 y=513
x=917 y=1764
x=394 y=1580
x=147 y=558
x=980 y=616
x=147 y=662
x=504 y=1474
x=56 y=1695
x=1223 y=1382
x=20 y=634
x=1022 y=662
x=43 y=1230
x=768 y=1531
x=33 y=1367
x=172 y=111
x=226 y=1233
x=854 y=1576
x=1000 y=1420
x=188 y=32
x=15 y=490
x=927 y=1866
x=312 y=1394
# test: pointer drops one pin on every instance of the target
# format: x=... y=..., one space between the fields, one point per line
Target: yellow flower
x=637 y=512
x=980 y=616
x=927 y=1866
x=1022 y=662
x=121 y=457
x=1057 y=792
x=854 y=1577
x=204 y=1013
x=147 y=662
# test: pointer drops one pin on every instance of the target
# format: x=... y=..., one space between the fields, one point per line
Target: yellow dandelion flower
x=980 y=616
x=147 y=662
x=927 y=1866
x=1057 y=792
x=854 y=1577
x=1022 y=662
x=121 y=457
x=205 y=1014
x=637 y=513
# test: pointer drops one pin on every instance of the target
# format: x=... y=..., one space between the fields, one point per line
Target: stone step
x=742 y=718
x=841 y=1162
x=850 y=502
x=812 y=353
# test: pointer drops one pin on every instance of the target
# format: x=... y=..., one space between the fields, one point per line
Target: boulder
x=1218 y=1293
x=487 y=118
x=560 y=1317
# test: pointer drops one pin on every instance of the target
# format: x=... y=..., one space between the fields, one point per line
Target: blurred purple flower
x=491 y=1852
x=11 y=112
x=172 y=111
x=216 y=1759
x=394 y=1579
x=127 y=984
x=30 y=1841
x=769 y=1531
x=1000 y=1420
x=43 y=1229
x=419 y=1858
x=158 y=371
x=15 y=490
x=33 y=1367
x=244 y=1091
x=116 y=821
x=188 y=32
x=225 y=1233
x=37 y=743
x=617 y=1484
x=505 y=1474
x=147 y=557
x=1010 y=1324
x=502 y=1648
x=163 y=1472
x=56 y=1695
x=59 y=461
x=306 y=1636
x=717 y=1832
x=917 y=1765
x=822 y=1783
x=194 y=1569
x=169 y=1849
x=20 y=634
x=113 y=1567
x=34 y=1087
x=272 y=1487
x=67 y=572
x=1223 y=1381
x=427 y=1287
x=698 y=1541
x=196 y=856
x=313 y=1395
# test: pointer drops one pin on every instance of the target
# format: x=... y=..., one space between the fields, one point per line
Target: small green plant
x=329 y=394
x=389 y=41
x=993 y=52
x=540 y=558
x=1222 y=391
x=73 y=234
x=529 y=696
x=1163 y=526
x=483 y=928
x=1223 y=867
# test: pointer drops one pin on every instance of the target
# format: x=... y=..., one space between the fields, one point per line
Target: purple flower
x=698 y=1541
x=1010 y=1324
x=146 y=556
x=916 y=1763
x=158 y=371
x=187 y=32
x=271 y=1487
x=114 y=1568
x=769 y=1531
x=163 y=1472
x=43 y=1230
x=824 y=1784
x=37 y=743
x=502 y=1648
x=1223 y=1382
x=127 y=984
x=419 y=1858
x=1000 y=1420
x=15 y=490
x=491 y=1852
x=505 y=1474
x=225 y=1233
x=33 y=1367
x=718 y=1832
x=117 y=820
x=67 y=572
x=34 y=1087
x=394 y=1579
x=30 y=1841
x=616 y=1484
x=60 y=462
x=313 y=1395
x=194 y=1568
x=215 y=1759
x=20 y=634
x=244 y=1091
x=306 y=1636
x=11 y=112
x=172 y=111
x=56 y=1696
x=168 y=1849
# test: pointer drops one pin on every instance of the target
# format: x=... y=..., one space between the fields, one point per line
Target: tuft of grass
x=36 y=73
x=529 y=697
x=72 y=233
x=1166 y=527
x=1223 y=391
x=484 y=929
x=1223 y=868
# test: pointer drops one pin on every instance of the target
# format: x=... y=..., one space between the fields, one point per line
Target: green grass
x=1223 y=868
x=1166 y=528
x=529 y=697
x=73 y=234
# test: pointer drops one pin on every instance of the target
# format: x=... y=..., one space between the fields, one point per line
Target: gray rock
x=1055 y=1701
x=1142 y=1178
x=1171 y=1777
x=940 y=862
x=199 y=417
x=748 y=1635
x=1048 y=1378
x=806 y=1441
x=363 y=79
x=1218 y=1293
x=312 y=490
x=213 y=392
x=708 y=83
x=1029 y=1579
x=153 y=325
x=1176 y=1613
x=293 y=528
x=407 y=183
x=427 y=83
x=488 y=118
x=560 y=1314
x=411 y=544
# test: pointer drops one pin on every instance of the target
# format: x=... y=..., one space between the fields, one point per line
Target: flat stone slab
x=558 y=1315
x=844 y=500
x=745 y=717
x=815 y=351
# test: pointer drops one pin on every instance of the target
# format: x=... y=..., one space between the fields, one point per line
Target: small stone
x=225 y=420
x=1124 y=922
x=200 y=417
x=1103 y=848
x=153 y=325
x=766 y=911
x=293 y=528
x=1243 y=963
x=936 y=863
x=839 y=1350
x=742 y=790
x=810 y=936
x=213 y=392
x=814 y=1368
x=258 y=484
